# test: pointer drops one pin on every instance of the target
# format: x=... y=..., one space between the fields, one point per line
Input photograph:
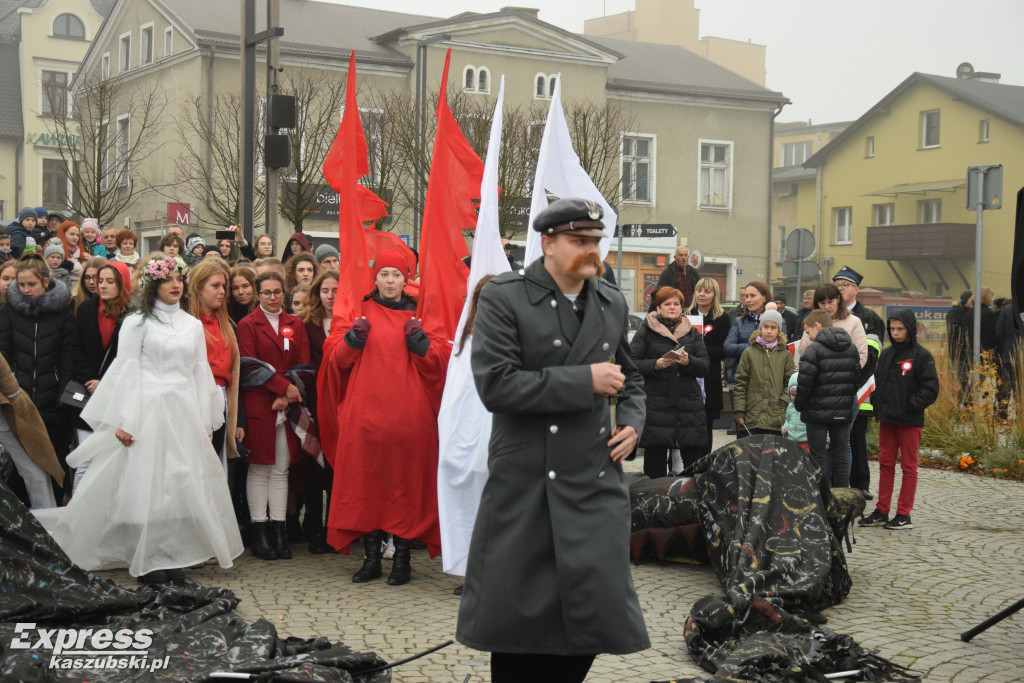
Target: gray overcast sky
x=833 y=58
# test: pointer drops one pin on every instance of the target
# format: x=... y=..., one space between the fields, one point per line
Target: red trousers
x=893 y=438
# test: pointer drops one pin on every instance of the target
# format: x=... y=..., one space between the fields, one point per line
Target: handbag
x=75 y=395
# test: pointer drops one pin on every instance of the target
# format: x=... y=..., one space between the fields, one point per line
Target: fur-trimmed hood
x=55 y=299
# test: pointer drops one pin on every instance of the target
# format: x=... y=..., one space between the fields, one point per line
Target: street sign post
x=984 y=191
x=799 y=247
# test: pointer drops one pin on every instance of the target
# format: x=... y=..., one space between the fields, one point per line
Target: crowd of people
x=248 y=330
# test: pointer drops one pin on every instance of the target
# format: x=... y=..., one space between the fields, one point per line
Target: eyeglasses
x=88 y=278
x=272 y=294
x=844 y=285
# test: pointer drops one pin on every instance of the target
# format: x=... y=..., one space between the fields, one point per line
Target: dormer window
x=68 y=26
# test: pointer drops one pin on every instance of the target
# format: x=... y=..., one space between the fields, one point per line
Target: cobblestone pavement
x=914 y=592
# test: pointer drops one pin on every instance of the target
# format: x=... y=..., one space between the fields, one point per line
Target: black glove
x=415 y=339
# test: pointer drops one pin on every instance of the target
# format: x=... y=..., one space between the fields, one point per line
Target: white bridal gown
x=163 y=502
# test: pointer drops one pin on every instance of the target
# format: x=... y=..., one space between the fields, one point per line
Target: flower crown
x=160 y=269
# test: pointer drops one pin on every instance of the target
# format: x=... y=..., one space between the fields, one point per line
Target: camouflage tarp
x=773 y=533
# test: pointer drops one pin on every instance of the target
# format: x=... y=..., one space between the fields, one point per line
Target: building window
x=124 y=52
x=103 y=155
x=869 y=146
x=930 y=129
x=146 y=44
x=884 y=213
x=122 y=143
x=469 y=79
x=930 y=210
x=372 y=120
x=796 y=153
x=68 y=26
x=105 y=66
x=483 y=80
x=715 y=175
x=551 y=85
x=55 y=183
x=544 y=86
x=637 y=168
x=843 y=216
x=54 y=93
x=983 y=130
x=780 y=249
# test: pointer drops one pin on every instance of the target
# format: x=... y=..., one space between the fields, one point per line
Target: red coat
x=257 y=339
x=385 y=453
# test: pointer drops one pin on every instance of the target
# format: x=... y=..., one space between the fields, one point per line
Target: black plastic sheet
x=773 y=532
x=195 y=632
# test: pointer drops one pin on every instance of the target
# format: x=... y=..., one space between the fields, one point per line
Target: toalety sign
x=87 y=648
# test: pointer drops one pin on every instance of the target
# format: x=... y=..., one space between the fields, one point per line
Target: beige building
x=42 y=43
x=697 y=157
x=677 y=22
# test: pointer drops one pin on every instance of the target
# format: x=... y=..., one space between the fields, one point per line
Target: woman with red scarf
x=278 y=339
x=385 y=460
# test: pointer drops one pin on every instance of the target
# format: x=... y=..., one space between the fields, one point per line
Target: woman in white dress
x=155 y=498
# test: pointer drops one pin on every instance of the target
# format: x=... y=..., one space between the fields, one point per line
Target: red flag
x=345 y=164
x=371 y=207
x=455 y=176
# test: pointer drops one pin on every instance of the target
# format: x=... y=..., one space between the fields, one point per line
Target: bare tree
x=208 y=164
x=318 y=101
x=103 y=135
x=596 y=131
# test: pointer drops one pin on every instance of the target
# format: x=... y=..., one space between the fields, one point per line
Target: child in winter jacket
x=905 y=384
x=761 y=394
x=828 y=381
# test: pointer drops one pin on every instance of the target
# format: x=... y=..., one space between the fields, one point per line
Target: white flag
x=463 y=424
x=560 y=173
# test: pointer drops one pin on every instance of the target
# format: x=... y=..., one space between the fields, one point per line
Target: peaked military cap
x=848 y=273
x=572 y=214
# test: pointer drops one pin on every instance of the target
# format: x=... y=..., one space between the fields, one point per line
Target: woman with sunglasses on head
x=153 y=473
x=276 y=340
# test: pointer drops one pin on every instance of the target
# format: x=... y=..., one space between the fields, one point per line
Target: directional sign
x=645 y=230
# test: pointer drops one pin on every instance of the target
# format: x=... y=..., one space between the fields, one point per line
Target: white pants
x=267 y=485
x=37 y=480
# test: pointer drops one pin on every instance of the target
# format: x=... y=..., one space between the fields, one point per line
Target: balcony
x=921 y=241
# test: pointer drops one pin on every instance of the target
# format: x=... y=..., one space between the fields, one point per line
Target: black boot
x=371 y=563
x=295 y=534
x=401 y=570
x=279 y=540
x=318 y=544
x=260 y=537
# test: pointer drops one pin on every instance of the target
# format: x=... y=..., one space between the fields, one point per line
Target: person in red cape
x=385 y=457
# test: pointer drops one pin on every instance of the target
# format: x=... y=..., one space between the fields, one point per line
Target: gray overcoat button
x=522 y=271
x=600 y=475
x=557 y=343
x=553 y=429
x=554 y=304
x=551 y=474
x=602 y=430
x=604 y=347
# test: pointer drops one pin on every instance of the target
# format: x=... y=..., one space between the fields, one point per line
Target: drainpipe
x=771 y=166
x=209 y=120
x=17 y=177
x=820 y=235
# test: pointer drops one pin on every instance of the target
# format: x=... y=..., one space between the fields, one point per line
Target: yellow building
x=890 y=189
x=793 y=204
x=42 y=43
x=677 y=22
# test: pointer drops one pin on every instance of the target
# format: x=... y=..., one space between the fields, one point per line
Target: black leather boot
x=260 y=537
x=318 y=544
x=401 y=569
x=279 y=540
x=371 y=562
x=295 y=533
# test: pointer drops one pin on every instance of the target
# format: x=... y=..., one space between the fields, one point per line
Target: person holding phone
x=669 y=352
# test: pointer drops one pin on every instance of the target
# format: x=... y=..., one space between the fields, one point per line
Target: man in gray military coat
x=548 y=584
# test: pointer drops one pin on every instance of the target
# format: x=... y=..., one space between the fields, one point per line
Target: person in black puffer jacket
x=828 y=380
x=36 y=328
x=675 y=405
x=905 y=384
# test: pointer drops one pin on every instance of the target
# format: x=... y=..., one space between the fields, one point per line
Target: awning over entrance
x=919 y=188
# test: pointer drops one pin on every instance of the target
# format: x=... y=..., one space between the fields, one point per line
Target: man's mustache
x=584 y=260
